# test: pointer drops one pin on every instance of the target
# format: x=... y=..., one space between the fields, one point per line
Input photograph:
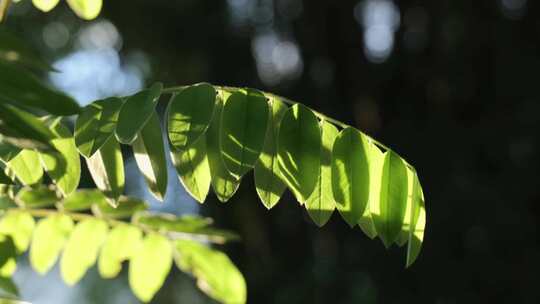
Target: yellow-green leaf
x=126 y=207
x=350 y=175
x=150 y=157
x=81 y=249
x=216 y=275
x=27 y=167
x=189 y=114
x=243 y=130
x=149 y=266
x=45 y=5
x=193 y=169
x=36 y=197
x=123 y=241
x=106 y=167
x=320 y=204
x=299 y=150
x=18 y=224
x=83 y=199
x=375 y=160
x=268 y=181
x=418 y=223
x=48 y=240
x=86 y=9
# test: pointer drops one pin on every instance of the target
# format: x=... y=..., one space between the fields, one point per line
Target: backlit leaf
x=243 y=130
x=83 y=199
x=418 y=223
x=149 y=266
x=350 y=175
x=189 y=115
x=96 y=124
x=268 y=182
x=320 y=204
x=150 y=157
x=81 y=249
x=86 y=9
x=389 y=213
x=121 y=244
x=27 y=167
x=127 y=206
x=19 y=225
x=37 y=198
x=106 y=167
x=299 y=150
x=376 y=160
x=49 y=237
x=45 y=5
x=136 y=112
x=216 y=275
x=193 y=169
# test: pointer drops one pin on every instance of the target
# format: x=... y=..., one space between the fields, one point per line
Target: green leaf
x=96 y=124
x=19 y=87
x=8 y=152
x=243 y=130
x=121 y=244
x=299 y=150
x=64 y=164
x=189 y=115
x=388 y=215
x=19 y=225
x=127 y=206
x=418 y=222
x=45 y=5
x=136 y=112
x=15 y=51
x=223 y=183
x=4 y=179
x=83 y=199
x=350 y=175
x=376 y=160
x=81 y=249
x=37 y=198
x=149 y=266
x=150 y=157
x=86 y=9
x=193 y=169
x=27 y=167
x=48 y=240
x=268 y=182
x=106 y=167
x=23 y=129
x=320 y=204
x=405 y=228
x=8 y=288
x=216 y=275
x=8 y=256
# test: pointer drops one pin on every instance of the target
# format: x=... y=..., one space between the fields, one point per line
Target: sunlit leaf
x=268 y=182
x=320 y=204
x=418 y=223
x=81 y=249
x=8 y=256
x=14 y=50
x=150 y=157
x=376 y=160
x=49 y=237
x=350 y=175
x=106 y=167
x=299 y=150
x=27 y=167
x=45 y=5
x=243 y=130
x=96 y=124
x=19 y=87
x=83 y=199
x=136 y=112
x=19 y=225
x=86 y=9
x=63 y=165
x=216 y=275
x=193 y=169
x=23 y=129
x=403 y=236
x=127 y=206
x=149 y=266
x=223 y=183
x=389 y=213
x=189 y=115
x=37 y=197
x=121 y=244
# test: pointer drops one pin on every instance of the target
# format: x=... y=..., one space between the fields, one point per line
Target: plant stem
x=4 y=5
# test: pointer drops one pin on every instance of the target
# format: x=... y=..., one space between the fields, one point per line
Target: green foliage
x=48 y=241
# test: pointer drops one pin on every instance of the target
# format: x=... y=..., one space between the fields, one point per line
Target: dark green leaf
x=121 y=244
x=189 y=115
x=136 y=112
x=83 y=199
x=7 y=151
x=243 y=130
x=268 y=182
x=299 y=150
x=150 y=157
x=26 y=166
x=350 y=175
x=106 y=167
x=36 y=197
x=4 y=179
x=8 y=288
x=96 y=124
x=48 y=240
x=320 y=204
x=8 y=256
x=127 y=206
x=22 y=129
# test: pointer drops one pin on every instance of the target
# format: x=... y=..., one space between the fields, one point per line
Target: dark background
x=457 y=97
